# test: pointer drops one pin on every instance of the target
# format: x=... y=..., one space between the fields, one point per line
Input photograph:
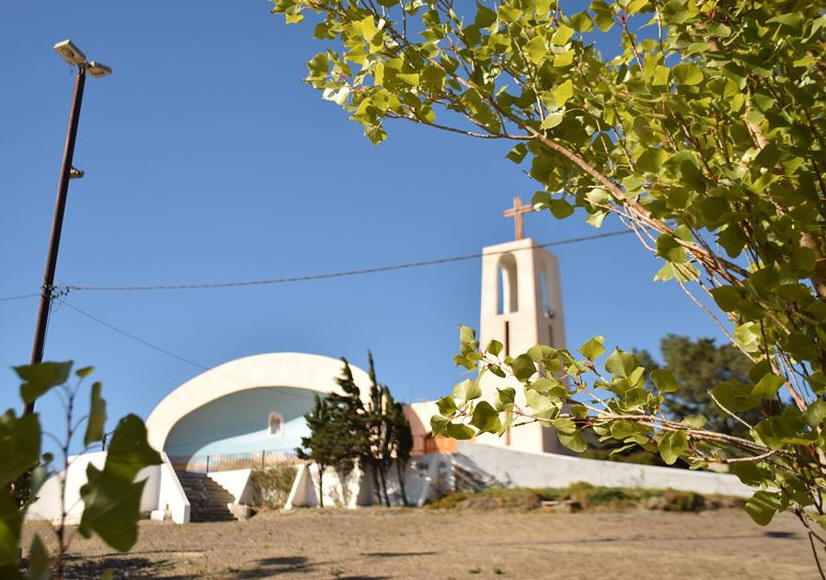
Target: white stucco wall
x=170 y=495
x=284 y=369
x=236 y=482
x=524 y=469
x=48 y=507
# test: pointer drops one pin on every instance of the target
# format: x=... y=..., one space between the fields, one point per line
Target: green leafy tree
x=705 y=134
x=401 y=443
x=328 y=442
x=337 y=438
x=698 y=366
x=111 y=497
x=388 y=437
x=345 y=431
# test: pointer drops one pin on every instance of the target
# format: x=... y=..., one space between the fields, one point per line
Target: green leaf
x=19 y=445
x=621 y=363
x=735 y=396
x=726 y=297
x=112 y=508
x=459 y=431
x=129 y=451
x=751 y=474
x=438 y=424
x=97 y=417
x=517 y=154
x=572 y=440
x=563 y=92
x=496 y=370
x=664 y=380
x=39 y=563
x=466 y=334
x=504 y=399
x=494 y=347
x=593 y=348
x=11 y=520
x=447 y=405
x=536 y=50
x=409 y=78
x=687 y=74
x=582 y=22
x=540 y=405
x=669 y=248
x=84 y=372
x=785 y=429
x=732 y=239
x=40 y=378
x=486 y=418
x=768 y=156
x=523 y=367
x=552 y=120
x=562 y=35
x=466 y=391
x=484 y=16
x=560 y=208
x=768 y=386
x=652 y=160
x=564 y=59
x=762 y=506
x=672 y=445
x=815 y=414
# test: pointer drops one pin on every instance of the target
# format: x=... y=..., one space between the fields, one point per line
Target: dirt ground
x=374 y=544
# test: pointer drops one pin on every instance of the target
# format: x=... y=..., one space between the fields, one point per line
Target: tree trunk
x=320 y=486
x=383 y=476
x=374 y=470
x=401 y=469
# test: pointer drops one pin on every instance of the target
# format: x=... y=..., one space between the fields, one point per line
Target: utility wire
x=169 y=353
x=73 y=288
x=21 y=297
x=132 y=336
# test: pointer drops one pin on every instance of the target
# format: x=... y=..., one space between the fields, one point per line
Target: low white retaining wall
x=524 y=469
x=236 y=482
x=48 y=507
x=171 y=499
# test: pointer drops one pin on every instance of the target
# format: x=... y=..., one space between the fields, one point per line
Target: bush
x=584 y=496
x=271 y=486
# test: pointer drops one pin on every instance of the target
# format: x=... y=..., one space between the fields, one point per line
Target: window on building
x=276 y=425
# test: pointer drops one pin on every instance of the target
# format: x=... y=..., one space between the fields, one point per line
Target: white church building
x=248 y=413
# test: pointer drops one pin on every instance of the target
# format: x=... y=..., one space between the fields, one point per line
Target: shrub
x=271 y=486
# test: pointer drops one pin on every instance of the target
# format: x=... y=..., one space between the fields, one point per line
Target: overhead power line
x=374 y=270
x=168 y=353
x=21 y=297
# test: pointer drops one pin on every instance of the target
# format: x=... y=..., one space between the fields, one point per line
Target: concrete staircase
x=207 y=500
x=467 y=476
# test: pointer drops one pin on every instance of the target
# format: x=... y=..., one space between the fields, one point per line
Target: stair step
x=207 y=499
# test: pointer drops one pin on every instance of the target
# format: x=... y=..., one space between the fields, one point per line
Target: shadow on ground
x=267 y=567
x=122 y=566
x=397 y=554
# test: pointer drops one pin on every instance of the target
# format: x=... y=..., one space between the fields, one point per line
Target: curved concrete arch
x=291 y=370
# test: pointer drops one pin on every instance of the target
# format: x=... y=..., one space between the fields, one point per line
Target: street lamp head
x=97 y=69
x=70 y=53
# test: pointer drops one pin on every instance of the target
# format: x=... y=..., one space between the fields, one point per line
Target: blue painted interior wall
x=239 y=423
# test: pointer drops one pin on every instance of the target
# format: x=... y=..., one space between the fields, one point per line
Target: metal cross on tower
x=516 y=213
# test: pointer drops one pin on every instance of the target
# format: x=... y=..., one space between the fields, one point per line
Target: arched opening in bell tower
x=507 y=300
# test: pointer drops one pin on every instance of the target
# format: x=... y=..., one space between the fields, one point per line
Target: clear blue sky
x=208 y=160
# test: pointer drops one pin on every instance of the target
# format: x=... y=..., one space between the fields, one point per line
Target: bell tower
x=521 y=299
x=521 y=305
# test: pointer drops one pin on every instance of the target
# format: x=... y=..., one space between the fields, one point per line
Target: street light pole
x=73 y=56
